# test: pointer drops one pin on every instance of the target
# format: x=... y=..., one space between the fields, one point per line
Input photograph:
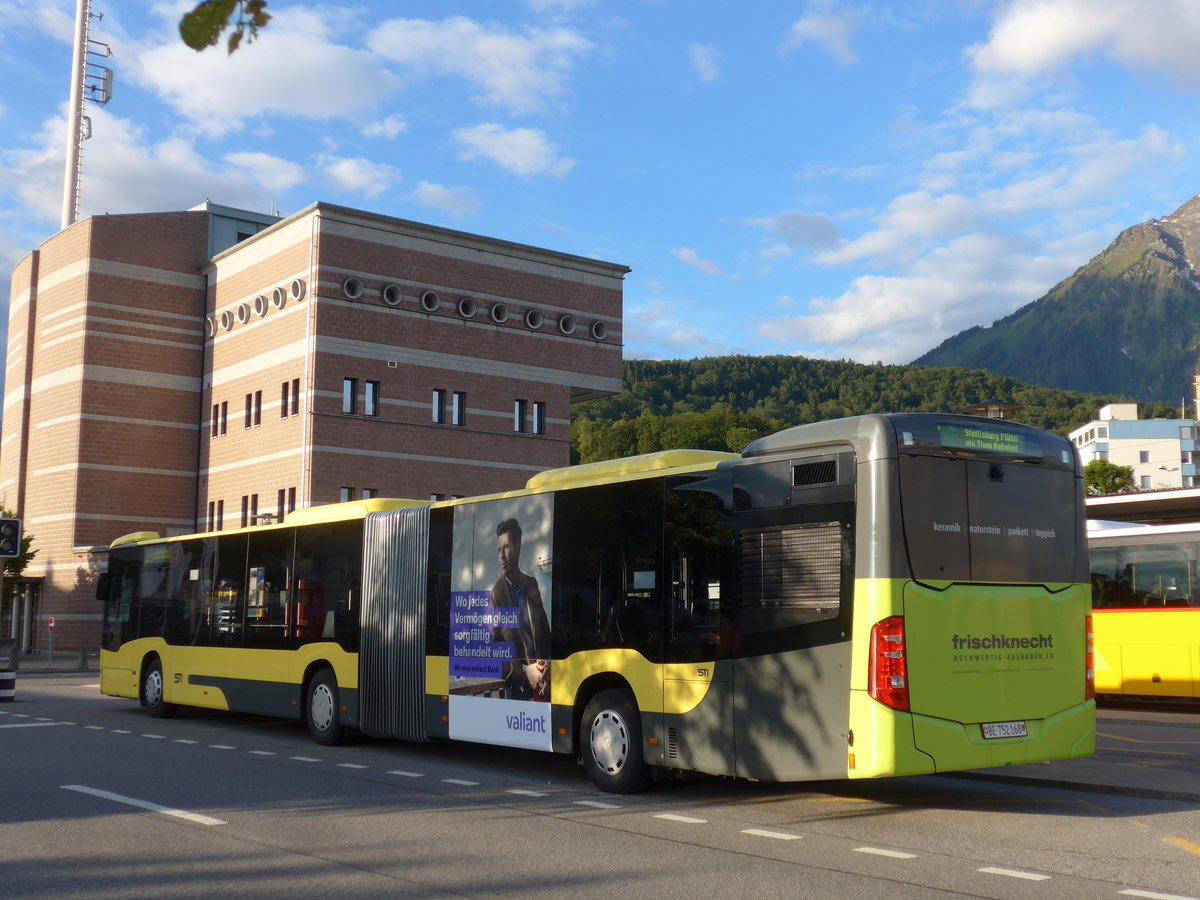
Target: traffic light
x=10 y=537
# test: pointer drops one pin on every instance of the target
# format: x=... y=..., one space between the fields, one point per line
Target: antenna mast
x=89 y=81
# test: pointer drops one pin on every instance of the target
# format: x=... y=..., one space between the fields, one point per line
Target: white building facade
x=1160 y=451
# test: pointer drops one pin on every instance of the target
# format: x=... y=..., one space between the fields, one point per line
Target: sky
x=837 y=180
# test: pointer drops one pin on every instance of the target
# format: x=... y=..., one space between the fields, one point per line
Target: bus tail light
x=889 y=668
x=1089 y=680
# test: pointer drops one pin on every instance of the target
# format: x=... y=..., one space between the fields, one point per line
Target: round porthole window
x=499 y=313
x=210 y=326
x=227 y=320
x=279 y=298
x=534 y=319
x=599 y=331
x=352 y=288
x=467 y=307
x=261 y=305
x=243 y=313
x=392 y=295
x=298 y=289
x=566 y=324
x=430 y=301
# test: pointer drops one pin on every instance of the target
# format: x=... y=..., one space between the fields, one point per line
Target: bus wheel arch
x=152 y=688
x=322 y=705
x=610 y=741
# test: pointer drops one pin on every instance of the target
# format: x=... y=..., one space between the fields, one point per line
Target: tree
x=204 y=25
x=1103 y=477
x=13 y=566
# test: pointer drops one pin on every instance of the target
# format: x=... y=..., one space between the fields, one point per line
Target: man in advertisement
x=527 y=676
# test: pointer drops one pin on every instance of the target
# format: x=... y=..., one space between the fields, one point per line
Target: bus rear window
x=990 y=521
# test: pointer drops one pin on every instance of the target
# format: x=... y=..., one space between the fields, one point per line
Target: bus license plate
x=1004 y=730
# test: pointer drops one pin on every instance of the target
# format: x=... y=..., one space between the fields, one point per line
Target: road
x=98 y=800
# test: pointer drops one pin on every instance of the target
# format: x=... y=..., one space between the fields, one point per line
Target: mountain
x=1127 y=323
x=722 y=403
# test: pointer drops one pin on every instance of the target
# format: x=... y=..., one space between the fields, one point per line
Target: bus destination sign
x=988 y=440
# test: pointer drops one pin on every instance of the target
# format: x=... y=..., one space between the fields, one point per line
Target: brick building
x=202 y=370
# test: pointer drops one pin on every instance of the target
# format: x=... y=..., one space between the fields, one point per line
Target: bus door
x=698 y=675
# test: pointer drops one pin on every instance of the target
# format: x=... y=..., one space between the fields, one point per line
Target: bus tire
x=322 y=707
x=610 y=742
x=153 y=687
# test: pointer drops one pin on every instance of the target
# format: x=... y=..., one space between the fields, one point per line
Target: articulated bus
x=1146 y=609
x=875 y=596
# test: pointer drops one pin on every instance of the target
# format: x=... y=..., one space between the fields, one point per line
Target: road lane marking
x=460 y=781
x=220 y=747
x=262 y=753
x=404 y=774
x=1154 y=895
x=524 y=793
x=891 y=854
x=686 y=820
x=351 y=766
x=596 y=804
x=1187 y=845
x=1013 y=873
x=185 y=741
x=155 y=737
x=30 y=724
x=145 y=804
x=304 y=758
x=777 y=835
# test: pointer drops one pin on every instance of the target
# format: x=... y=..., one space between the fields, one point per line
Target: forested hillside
x=722 y=403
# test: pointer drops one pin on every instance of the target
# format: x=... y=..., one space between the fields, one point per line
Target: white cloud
x=522 y=151
x=520 y=72
x=829 y=30
x=706 y=60
x=389 y=128
x=294 y=68
x=662 y=331
x=123 y=172
x=356 y=175
x=51 y=19
x=692 y=258
x=1031 y=38
x=459 y=202
x=797 y=230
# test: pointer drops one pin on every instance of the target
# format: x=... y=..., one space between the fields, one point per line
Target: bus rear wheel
x=323 y=709
x=153 y=687
x=610 y=740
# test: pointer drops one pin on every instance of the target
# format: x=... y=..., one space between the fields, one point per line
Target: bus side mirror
x=103 y=584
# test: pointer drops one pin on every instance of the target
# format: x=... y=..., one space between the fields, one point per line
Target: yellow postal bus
x=881 y=595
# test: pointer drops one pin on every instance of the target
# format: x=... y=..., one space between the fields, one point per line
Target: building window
x=370 y=493
x=439 y=406
x=245 y=510
x=254 y=509
x=1144 y=482
x=1187 y=432
x=291 y=499
x=349 y=396
x=371 y=399
x=220 y=515
x=1143 y=456
x=281 y=497
x=345 y=494
x=283 y=400
x=437 y=497
x=519 y=416
x=212 y=515
x=458 y=410
x=1185 y=457
x=258 y=408
x=1189 y=481
x=224 y=419
x=249 y=409
x=216 y=419
x=539 y=417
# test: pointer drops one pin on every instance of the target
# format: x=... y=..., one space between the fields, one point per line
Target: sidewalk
x=39 y=662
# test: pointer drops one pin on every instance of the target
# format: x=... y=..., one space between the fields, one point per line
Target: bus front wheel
x=323 y=709
x=152 y=692
x=610 y=740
